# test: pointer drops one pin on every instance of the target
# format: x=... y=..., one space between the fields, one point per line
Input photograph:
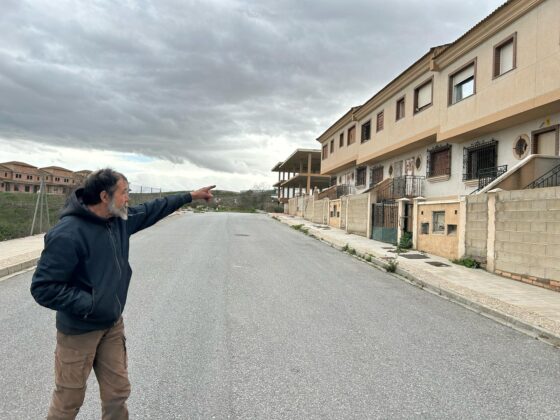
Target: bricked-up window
x=400 y=109
x=351 y=135
x=332 y=146
x=366 y=131
x=438 y=222
x=361 y=175
x=325 y=151
x=505 y=55
x=380 y=117
x=376 y=175
x=341 y=140
x=439 y=161
x=462 y=83
x=423 y=96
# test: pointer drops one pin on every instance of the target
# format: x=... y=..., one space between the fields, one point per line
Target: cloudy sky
x=183 y=93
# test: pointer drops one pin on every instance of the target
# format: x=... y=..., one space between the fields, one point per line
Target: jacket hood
x=76 y=207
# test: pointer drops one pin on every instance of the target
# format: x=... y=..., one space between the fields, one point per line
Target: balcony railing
x=337 y=191
x=408 y=186
x=487 y=175
x=549 y=179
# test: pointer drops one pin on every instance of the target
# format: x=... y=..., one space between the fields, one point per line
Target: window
x=27 y=188
x=521 y=146
x=325 y=151
x=380 y=117
x=341 y=140
x=505 y=55
x=332 y=146
x=361 y=176
x=400 y=109
x=366 y=131
x=439 y=161
x=423 y=96
x=376 y=175
x=30 y=177
x=462 y=83
x=438 y=222
x=479 y=157
x=351 y=135
x=425 y=228
x=18 y=176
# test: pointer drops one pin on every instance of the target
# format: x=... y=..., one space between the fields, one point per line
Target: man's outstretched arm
x=146 y=214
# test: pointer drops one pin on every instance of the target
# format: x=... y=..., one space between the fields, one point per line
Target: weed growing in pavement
x=392 y=265
x=345 y=248
x=368 y=258
x=406 y=241
x=467 y=262
x=297 y=227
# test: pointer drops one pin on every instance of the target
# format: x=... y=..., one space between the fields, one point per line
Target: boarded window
x=351 y=135
x=439 y=161
x=380 y=117
x=400 y=109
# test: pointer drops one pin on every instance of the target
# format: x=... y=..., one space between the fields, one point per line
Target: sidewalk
x=19 y=254
x=530 y=309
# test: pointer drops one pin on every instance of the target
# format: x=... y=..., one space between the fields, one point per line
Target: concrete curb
x=16 y=268
x=493 y=314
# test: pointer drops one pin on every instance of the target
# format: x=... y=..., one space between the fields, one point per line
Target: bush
x=392 y=265
x=406 y=241
x=467 y=262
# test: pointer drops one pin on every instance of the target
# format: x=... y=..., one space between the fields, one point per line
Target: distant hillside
x=17 y=209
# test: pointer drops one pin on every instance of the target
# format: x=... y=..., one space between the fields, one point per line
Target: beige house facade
x=468 y=110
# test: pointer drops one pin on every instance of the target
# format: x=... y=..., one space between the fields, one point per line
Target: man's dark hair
x=98 y=181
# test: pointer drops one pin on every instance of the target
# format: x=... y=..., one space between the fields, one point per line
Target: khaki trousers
x=75 y=356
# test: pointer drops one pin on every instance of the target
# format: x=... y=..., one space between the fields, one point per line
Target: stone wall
x=358 y=214
x=476 y=229
x=343 y=202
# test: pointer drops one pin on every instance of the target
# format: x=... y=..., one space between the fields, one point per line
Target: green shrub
x=406 y=241
x=467 y=262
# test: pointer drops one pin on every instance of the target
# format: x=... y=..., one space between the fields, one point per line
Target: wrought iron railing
x=549 y=179
x=408 y=186
x=337 y=191
x=487 y=175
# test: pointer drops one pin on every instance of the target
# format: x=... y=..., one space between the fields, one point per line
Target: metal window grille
x=479 y=156
x=366 y=131
x=376 y=175
x=361 y=176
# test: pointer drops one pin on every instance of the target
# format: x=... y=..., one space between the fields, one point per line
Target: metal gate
x=385 y=222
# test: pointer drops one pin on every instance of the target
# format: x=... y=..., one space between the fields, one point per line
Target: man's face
x=118 y=206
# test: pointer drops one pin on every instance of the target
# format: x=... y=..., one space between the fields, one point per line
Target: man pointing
x=84 y=274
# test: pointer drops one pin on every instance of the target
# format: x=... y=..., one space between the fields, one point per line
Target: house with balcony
x=479 y=113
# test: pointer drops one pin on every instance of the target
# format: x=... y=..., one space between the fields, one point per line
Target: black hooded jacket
x=83 y=272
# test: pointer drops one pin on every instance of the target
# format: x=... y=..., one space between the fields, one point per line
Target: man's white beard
x=115 y=211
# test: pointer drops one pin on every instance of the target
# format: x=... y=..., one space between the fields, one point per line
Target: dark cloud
x=217 y=83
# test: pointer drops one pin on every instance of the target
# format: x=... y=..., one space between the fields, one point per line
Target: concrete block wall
x=527 y=240
x=321 y=208
x=343 y=202
x=476 y=229
x=358 y=214
x=292 y=206
x=308 y=208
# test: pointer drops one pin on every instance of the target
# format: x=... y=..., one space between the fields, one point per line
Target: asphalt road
x=234 y=316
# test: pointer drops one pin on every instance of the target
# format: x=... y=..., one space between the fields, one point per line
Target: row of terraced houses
x=25 y=178
x=454 y=150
